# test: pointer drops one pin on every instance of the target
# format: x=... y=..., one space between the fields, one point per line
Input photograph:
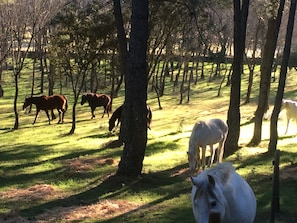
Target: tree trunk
x=266 y=66
x=122 y=41
x=73 y=125
x=134 y=116
x=16 y=114
x=233 y=120
x=252 y=61
x=282 y=79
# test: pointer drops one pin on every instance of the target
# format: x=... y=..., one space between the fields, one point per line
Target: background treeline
x=74 y=44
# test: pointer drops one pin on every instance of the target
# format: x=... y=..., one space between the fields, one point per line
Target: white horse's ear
x=211 y=180
x=194 y=181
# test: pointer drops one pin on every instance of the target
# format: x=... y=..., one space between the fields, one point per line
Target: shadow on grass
x=169 y=185
x=13 y=174
x=163 y=183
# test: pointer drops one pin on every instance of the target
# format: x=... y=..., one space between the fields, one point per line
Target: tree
x=266 y=67
x=282 y=79
x=24 y=21
x=83 y=33
x=233 y=121
x=134 y=117
x=122 y=42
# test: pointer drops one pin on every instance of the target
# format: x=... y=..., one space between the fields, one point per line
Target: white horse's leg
x=288 y=120
x=203 y=156
x=212 y=154
x=220 y=152
x=198 y=164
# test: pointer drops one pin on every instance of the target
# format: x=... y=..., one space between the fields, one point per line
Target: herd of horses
x=60 y=102
x=216 y=190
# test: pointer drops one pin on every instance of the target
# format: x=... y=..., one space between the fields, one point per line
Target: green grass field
x=49 y=176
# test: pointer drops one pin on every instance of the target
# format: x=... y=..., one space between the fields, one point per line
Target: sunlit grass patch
x=79 y=169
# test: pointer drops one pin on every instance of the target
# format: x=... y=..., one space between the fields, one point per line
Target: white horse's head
x=221 y=191
x=193 y=160
x=207 y=199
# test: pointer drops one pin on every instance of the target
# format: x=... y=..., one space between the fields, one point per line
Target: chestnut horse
x=47 y=103
x=116 y=116
x=96 y=100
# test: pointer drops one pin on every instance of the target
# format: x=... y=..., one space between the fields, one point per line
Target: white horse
x=206 y=133
x=222 y=191
x=291 y=111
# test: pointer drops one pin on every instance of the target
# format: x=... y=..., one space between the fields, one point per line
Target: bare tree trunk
x=122 y=41
x=233 y=121
x=134 y=116
x=282 y=80
x=266 y=66
x=16 y=114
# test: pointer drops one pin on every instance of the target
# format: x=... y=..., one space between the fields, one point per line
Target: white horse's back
x=221 y=190
x=209 y=132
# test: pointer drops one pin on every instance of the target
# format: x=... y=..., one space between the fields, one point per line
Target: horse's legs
x=212 y=154
x=63 y=113
x=288 y=120
x=47 y=114
x=198 y=163
x=221 y=151
x=53 y=114
x=203 y=156
x=60 y=115
x=92 y=111
x=37 y=111
x=104 y=111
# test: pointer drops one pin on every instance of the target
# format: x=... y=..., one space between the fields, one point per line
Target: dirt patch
x=87 y=164
x=36 y=192
x=20 y=196
x=102 y=210
x=289 y=172
x=183 y=173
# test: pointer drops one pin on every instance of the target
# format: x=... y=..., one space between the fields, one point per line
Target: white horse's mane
x=221 y=172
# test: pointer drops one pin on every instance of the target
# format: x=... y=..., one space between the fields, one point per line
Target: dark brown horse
x=96 y=100
x=47 y=103
x=116 y=116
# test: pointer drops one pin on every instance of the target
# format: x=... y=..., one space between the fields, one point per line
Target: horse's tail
x=65 y=103
x=108 y=107
x=149 y=116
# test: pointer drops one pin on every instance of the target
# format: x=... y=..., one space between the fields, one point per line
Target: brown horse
x=96 y=100
x=47 y=103
x=116 y=116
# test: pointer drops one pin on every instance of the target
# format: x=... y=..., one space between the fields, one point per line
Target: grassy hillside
x=49 y=176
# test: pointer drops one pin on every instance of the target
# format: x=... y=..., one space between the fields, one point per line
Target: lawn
x=49 y=176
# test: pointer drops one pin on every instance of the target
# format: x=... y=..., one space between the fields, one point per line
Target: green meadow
x=47 y=175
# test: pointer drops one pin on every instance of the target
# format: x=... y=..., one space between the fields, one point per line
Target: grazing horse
x=291 y=111
x=96 y=100
x=206 y=133
x=116 y=116
x=221 y=191
x=47 y=103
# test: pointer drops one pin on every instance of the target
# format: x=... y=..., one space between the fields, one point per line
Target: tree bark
x=134 y=116
x=266 y=67
x=121 y=34
x=282 y=79
x=233 y=120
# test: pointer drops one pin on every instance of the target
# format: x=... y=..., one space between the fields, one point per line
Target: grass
x=49 y=176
